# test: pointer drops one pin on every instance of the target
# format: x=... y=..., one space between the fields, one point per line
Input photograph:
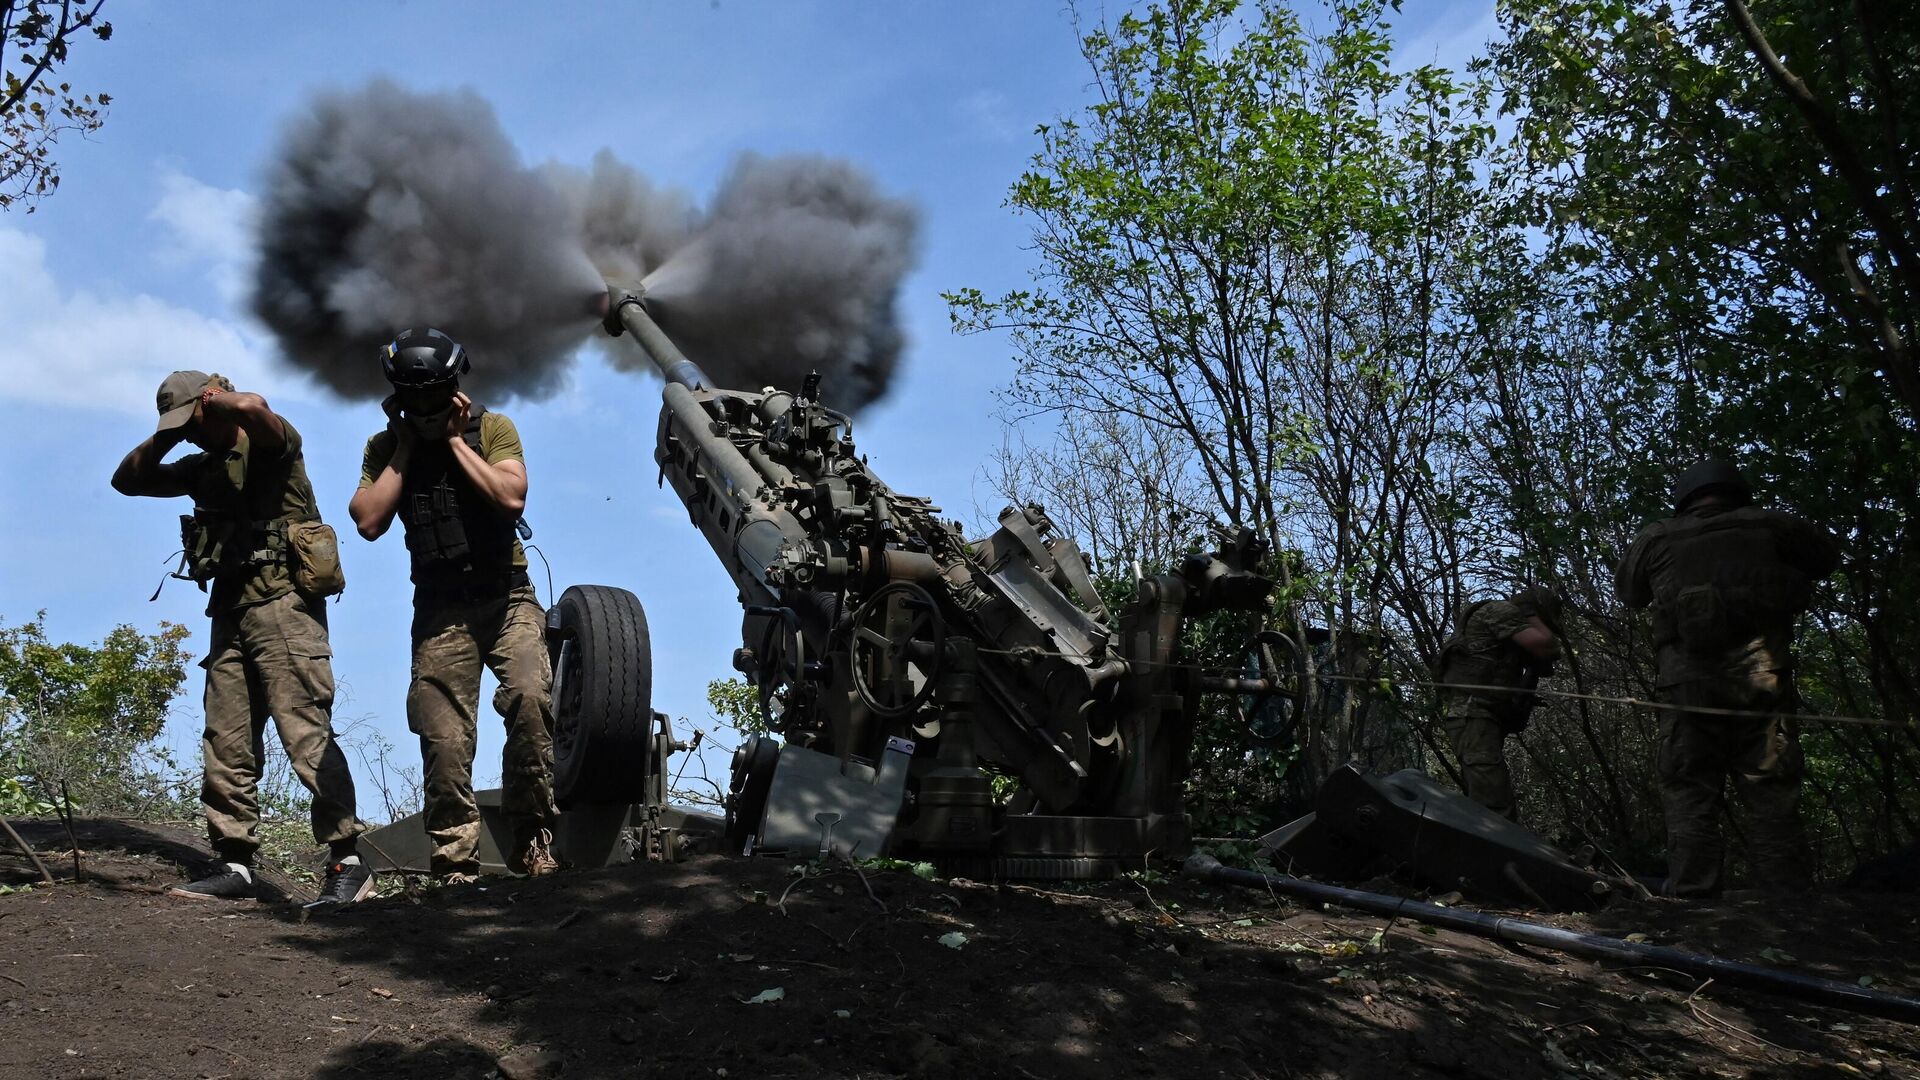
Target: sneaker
x=228 y=881
x=537 y=860
x=347 y=882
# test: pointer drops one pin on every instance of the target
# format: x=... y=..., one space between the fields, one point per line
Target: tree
x=1729 y=192
x=1255 y=247
x=35 y=111
x=88 y=715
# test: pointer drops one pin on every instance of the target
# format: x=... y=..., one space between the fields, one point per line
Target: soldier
x=255 y=535
x=1495 y=643
x=1726 y=580
x=455 y=474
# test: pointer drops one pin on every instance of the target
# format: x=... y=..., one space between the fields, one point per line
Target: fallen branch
x=782 y=902
x=864 y=883
x=38 y=865
x=224 y=1050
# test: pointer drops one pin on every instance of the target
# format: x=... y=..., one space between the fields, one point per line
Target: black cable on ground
x=1767 y=980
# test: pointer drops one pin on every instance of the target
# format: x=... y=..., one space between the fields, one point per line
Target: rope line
x=1631 y=702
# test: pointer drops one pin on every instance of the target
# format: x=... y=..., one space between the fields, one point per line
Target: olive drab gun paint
x=899 y=659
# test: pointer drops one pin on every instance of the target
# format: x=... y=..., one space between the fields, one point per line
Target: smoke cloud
x=387 y=208
x=794 y=269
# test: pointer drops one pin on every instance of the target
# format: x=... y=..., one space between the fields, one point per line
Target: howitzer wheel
x=602 y=696
x=1272 y=715
x=882 y=653
x=748 y=787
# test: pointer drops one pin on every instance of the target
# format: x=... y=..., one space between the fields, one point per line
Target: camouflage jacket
x=1725 y=585
x=1481 y=652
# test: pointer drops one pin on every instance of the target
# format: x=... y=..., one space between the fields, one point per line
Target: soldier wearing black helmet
x=454 y=473
x=1487 y=670
x=1726 y=580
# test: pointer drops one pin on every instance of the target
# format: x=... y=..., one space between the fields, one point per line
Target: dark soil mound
x=658 y=970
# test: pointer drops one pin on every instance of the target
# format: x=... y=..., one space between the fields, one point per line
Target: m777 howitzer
x=904 y=666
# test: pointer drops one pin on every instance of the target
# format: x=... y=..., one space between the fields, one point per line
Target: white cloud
x=988 y=114
x=77 y=347
x=207 y=226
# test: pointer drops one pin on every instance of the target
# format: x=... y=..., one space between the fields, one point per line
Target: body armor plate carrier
x=451 y=531
x=1726 y=581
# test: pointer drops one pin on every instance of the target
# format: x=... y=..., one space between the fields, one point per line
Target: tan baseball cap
x=180 y=392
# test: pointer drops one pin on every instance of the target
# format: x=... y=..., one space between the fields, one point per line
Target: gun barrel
x=627 y=310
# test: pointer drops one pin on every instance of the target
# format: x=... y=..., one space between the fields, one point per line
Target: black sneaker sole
x=365 y=890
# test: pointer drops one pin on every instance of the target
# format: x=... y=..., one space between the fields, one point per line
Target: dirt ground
x=661 y=971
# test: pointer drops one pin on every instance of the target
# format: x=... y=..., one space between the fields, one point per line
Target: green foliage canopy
x=35 y=111
x=85 y=713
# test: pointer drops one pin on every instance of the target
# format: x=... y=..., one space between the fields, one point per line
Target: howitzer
x=906 y=667
x=973 y=703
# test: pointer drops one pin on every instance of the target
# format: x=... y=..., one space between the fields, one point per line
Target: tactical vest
x=1458 y=665
x=215 y=542
x=1724 y=582
x=452 y=531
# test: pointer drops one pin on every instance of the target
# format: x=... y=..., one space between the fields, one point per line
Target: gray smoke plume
x=387 y=208
x=628 y=227
x=793 y=269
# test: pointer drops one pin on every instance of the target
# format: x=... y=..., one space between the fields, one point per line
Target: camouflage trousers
x=451 y=642
x=1479 y=743
x=271 y=660
x=1698 y=754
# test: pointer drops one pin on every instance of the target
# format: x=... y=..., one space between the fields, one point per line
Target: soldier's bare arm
x=501 y=483
x=378 y=499
x=250 y=413
x=1537 y=641
x=143 y=472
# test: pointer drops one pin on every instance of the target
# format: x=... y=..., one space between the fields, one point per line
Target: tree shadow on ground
x=665 y=970
x=651 y=970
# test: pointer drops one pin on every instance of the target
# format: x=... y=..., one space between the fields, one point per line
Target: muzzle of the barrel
x=625 y=310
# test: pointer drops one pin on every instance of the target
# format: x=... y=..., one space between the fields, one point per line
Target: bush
x=85 y=719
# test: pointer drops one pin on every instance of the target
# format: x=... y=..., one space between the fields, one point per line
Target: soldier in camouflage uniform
x=1498 y=644
x=455 y=474
x=1726 y=581
x=269 y=655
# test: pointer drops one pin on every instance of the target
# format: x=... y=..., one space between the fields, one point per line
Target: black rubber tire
x=603 y=705
x=751 y=781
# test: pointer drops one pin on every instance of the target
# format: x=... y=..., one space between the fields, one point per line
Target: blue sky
x=138 y=267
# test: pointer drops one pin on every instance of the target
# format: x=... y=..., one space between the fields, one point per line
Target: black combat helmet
x=423 y=357
x=1711 y=476
x=1544 y=602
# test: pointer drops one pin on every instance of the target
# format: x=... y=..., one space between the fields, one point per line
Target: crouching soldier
x=256 y=542
x=454 y=473
x=1499 y=652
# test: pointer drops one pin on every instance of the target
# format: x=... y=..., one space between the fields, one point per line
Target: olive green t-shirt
x=258 y=487
x=499 y=441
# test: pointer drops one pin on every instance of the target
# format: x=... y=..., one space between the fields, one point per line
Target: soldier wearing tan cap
x=255 y=542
